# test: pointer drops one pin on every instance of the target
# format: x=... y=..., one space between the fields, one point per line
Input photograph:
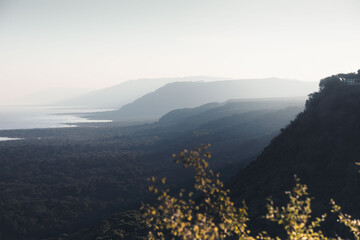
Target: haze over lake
x=26 y=117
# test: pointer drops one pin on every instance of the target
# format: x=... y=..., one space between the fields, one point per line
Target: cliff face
x=320 y=146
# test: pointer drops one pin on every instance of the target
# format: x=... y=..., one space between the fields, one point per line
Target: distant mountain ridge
x=237 y=131
x=152 y=106
x=126 y=92
x=189 y=118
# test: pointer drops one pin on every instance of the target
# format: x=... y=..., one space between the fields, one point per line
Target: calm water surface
x=3 y=139
x=42 y=117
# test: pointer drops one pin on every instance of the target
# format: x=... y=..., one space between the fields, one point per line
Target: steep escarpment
x=320 y=146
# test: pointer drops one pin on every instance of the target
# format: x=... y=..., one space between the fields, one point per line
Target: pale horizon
x=93 y=44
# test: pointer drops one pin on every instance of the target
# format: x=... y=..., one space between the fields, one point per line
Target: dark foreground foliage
x=126 y=225
x=321 y=146
x=70 y=179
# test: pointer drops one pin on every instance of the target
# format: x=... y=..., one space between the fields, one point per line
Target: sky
x=94 y=44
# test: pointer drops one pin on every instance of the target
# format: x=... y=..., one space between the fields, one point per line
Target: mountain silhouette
x=193 y=94
x=320 y=146
x=124 y=93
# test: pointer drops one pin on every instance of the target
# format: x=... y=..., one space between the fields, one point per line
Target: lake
x=24 y=117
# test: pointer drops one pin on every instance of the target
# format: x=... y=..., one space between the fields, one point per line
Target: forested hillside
x=320 y=146
x=68 y=179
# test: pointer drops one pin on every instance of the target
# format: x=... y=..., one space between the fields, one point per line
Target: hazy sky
x=94 y=44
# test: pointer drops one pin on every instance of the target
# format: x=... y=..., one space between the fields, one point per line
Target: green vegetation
x=212 y=215
x=296 y=215
x=72 y=178
x=320 y=146
x=126 y=225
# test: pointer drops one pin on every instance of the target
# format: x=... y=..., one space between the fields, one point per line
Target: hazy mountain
x=191 y=117
x=101 y=170
x=320 y=146
x=192 y=94
x=126 y=92
x=50 y=96
x=240 y=136
x=236 y=139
